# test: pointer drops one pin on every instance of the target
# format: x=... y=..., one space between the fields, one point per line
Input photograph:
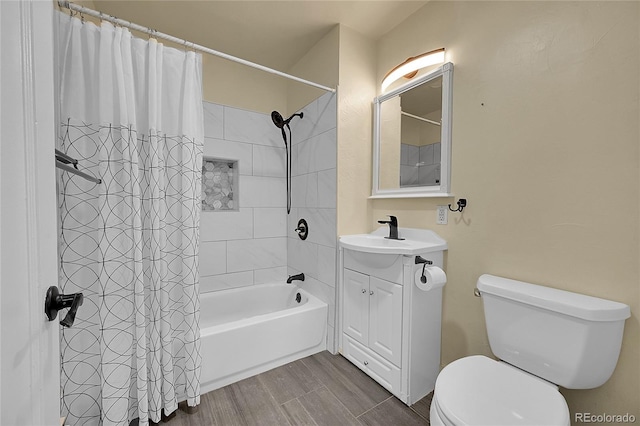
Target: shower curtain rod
x=420 y=118
x=187 y=44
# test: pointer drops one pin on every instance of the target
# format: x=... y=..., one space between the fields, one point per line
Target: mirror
x=412 y=138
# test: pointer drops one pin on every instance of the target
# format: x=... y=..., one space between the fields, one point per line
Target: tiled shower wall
x=258 y=244
x=419 y=165
x=314 y=199
x=249 y=246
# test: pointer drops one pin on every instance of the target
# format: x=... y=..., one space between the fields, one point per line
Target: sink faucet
x=393 y=228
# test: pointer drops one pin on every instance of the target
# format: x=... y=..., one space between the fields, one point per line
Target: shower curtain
x=131 y=113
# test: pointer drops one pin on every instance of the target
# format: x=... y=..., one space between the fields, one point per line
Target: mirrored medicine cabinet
x=412 y=138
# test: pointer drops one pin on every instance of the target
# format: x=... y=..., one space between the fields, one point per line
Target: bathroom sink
x=415 y=241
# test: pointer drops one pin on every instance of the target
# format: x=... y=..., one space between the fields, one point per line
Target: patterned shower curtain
x=131 y=113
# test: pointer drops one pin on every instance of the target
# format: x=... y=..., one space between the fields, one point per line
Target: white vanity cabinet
x=387 y=326
x=372 y=326
x=373 y=313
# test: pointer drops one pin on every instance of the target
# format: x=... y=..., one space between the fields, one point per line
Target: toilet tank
x=569 y=339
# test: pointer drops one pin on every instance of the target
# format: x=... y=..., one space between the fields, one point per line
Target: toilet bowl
x=477 y=390
x=544 y=337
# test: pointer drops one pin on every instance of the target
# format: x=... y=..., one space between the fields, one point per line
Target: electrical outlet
x=441 y=219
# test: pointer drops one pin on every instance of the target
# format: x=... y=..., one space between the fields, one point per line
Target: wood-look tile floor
x=322 y=390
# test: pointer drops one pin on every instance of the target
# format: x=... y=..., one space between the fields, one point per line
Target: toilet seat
x=477 y=390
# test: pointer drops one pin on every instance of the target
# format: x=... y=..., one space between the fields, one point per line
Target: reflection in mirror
x=413 y=141
x=412 y=138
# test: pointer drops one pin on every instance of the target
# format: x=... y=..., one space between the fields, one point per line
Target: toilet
x=544 y=338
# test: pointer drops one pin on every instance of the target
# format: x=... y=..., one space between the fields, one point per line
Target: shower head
x=277 y=119
x=280 y=122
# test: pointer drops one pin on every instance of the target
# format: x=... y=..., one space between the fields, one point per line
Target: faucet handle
x=393 y=221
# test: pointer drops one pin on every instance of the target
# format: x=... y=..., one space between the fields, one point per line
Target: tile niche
x=219 y=184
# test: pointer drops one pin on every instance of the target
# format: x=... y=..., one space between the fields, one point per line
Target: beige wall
x=237 y=85
x=545 y=149
x=232 y=84
x=320 y=65
x=357 y=88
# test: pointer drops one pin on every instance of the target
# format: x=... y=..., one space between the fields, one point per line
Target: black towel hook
x=462 y=203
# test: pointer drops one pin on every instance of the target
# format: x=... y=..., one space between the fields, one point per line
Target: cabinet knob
x=366 y=363
x=371 y=293
x=364 y=290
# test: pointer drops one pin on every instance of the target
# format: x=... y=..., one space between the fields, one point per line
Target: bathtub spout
x=292 y=278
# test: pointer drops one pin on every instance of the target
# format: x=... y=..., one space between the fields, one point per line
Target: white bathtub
x=250 y=330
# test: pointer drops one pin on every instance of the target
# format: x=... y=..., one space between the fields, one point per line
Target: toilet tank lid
x=565 y=302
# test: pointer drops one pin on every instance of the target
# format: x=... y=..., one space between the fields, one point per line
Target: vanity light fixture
x=410 y=67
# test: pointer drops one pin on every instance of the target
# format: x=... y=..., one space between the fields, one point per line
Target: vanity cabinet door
x=356 y=306
x=385 y=324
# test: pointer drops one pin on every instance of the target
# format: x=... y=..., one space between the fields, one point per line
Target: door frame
x=29 y=344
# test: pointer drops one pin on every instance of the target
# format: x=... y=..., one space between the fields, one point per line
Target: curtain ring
x=189 y=45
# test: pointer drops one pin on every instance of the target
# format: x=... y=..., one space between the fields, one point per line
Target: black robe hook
x=462 y=203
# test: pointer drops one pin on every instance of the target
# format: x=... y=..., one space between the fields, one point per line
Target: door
x=29 y=346
x=356 y=306
x=385 y=325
